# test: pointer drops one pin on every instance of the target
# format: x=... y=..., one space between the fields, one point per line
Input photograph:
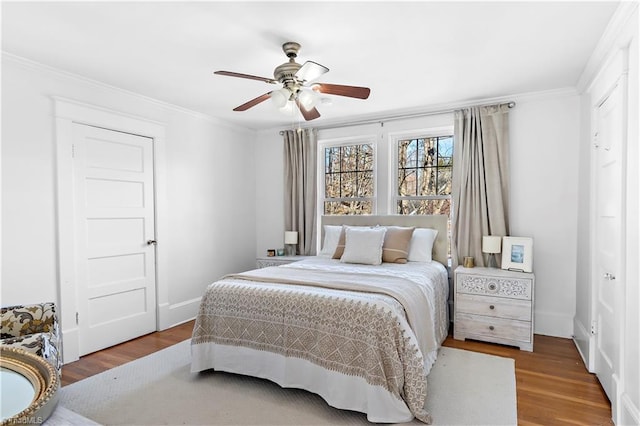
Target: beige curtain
x=480 y=180
x=300 y=187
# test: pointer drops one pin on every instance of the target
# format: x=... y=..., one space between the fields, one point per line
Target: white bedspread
x=236 y=332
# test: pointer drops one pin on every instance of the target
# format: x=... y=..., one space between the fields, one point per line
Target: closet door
x=609 y=169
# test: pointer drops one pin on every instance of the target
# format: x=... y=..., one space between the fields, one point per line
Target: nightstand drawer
x=493 y=328
x=516 y=288
x=494 y=307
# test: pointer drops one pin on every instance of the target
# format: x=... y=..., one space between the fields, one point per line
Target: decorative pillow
x=363 y=245
x=331 y=237
x=421 y=245
x=396 y=244
x=337 y=254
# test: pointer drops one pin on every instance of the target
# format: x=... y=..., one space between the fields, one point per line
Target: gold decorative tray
x=20 y=369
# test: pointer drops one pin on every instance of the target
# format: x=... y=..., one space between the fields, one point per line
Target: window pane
x=332 y=159
x=365 y=184
x=348 y=185
x=427 y=181
x=407 y=182
x=424 y=207
x=349 y=157
x=444 y=180
x=365 y=157
x=347 y=207
x=332 y=185
x=445 y=149
x=403 y=154
x=412 y=153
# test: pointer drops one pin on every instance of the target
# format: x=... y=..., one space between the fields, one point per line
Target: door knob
x=608 y=276
x=151 y=242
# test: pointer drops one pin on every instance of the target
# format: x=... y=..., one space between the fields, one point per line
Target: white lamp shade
x=491 y=243
x=280 y=97
x=308 y=98
x=291 y=237
x=289 y=108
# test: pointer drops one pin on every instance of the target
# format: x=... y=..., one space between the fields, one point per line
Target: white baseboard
x=180 y=313
x=70 y=345
x=582 y=339
x=553 y=324
x=164 y=320
x=629 y=412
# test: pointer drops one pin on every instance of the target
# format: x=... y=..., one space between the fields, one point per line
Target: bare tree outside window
x=348 y=179
x=424 y=175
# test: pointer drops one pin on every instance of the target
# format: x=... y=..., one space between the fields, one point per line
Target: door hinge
x=77 y=322
x=594 y=328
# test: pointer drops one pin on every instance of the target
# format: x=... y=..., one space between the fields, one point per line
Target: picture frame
x=271 y=252
x=517 y=254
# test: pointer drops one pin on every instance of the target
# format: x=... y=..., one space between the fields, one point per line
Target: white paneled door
x=609 y=291
x=115 y=243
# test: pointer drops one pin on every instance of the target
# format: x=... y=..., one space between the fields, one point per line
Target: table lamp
x=491 y=245
x=290 y=242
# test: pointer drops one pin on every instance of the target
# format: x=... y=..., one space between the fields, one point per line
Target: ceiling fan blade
x=310 y=71
x=308 y=115
x=340 y=90
x=251 y=77
x=253 y=102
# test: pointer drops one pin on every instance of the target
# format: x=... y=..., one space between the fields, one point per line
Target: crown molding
x=47 y=69
x=616 y=34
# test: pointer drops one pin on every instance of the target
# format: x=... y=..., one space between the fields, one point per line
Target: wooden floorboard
x=553 y=386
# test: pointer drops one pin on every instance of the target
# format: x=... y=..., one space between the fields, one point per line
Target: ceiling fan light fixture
x=288 y=108
x=280 y=97
x=308 y=99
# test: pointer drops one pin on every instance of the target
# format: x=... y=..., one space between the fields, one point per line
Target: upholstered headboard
x=438 y=222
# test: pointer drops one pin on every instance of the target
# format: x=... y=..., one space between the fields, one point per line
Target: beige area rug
x=465 y=388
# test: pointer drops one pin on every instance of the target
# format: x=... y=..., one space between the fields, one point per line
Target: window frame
x=341 y=142
x=395 y=138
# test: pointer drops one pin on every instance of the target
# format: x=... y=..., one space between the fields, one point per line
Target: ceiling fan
x=298 y=85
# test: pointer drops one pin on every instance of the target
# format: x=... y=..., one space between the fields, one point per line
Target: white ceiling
x=413 y=55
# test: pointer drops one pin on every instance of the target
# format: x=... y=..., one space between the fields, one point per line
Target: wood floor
x=553 y=386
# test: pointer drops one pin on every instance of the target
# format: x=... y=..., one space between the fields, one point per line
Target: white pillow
x=421 y=245
x=331 y=237
x=363 y=245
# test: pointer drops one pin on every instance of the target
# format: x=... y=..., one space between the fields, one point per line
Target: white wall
x=544 y=134
x=210 y=216
x=269 y=153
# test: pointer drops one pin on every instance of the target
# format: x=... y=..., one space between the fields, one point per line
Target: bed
x=362 y=336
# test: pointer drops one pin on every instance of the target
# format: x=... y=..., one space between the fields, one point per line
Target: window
x=424 y=175
x=349 y=179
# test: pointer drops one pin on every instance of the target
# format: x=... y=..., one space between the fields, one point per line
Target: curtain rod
x=510 y=104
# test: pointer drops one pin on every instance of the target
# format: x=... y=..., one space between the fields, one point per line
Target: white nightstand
x=494 y=305
x=263 y=262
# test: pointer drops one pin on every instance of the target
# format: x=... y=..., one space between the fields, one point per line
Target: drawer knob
x=491 y=327
x=492 y=307
x=492 y=286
